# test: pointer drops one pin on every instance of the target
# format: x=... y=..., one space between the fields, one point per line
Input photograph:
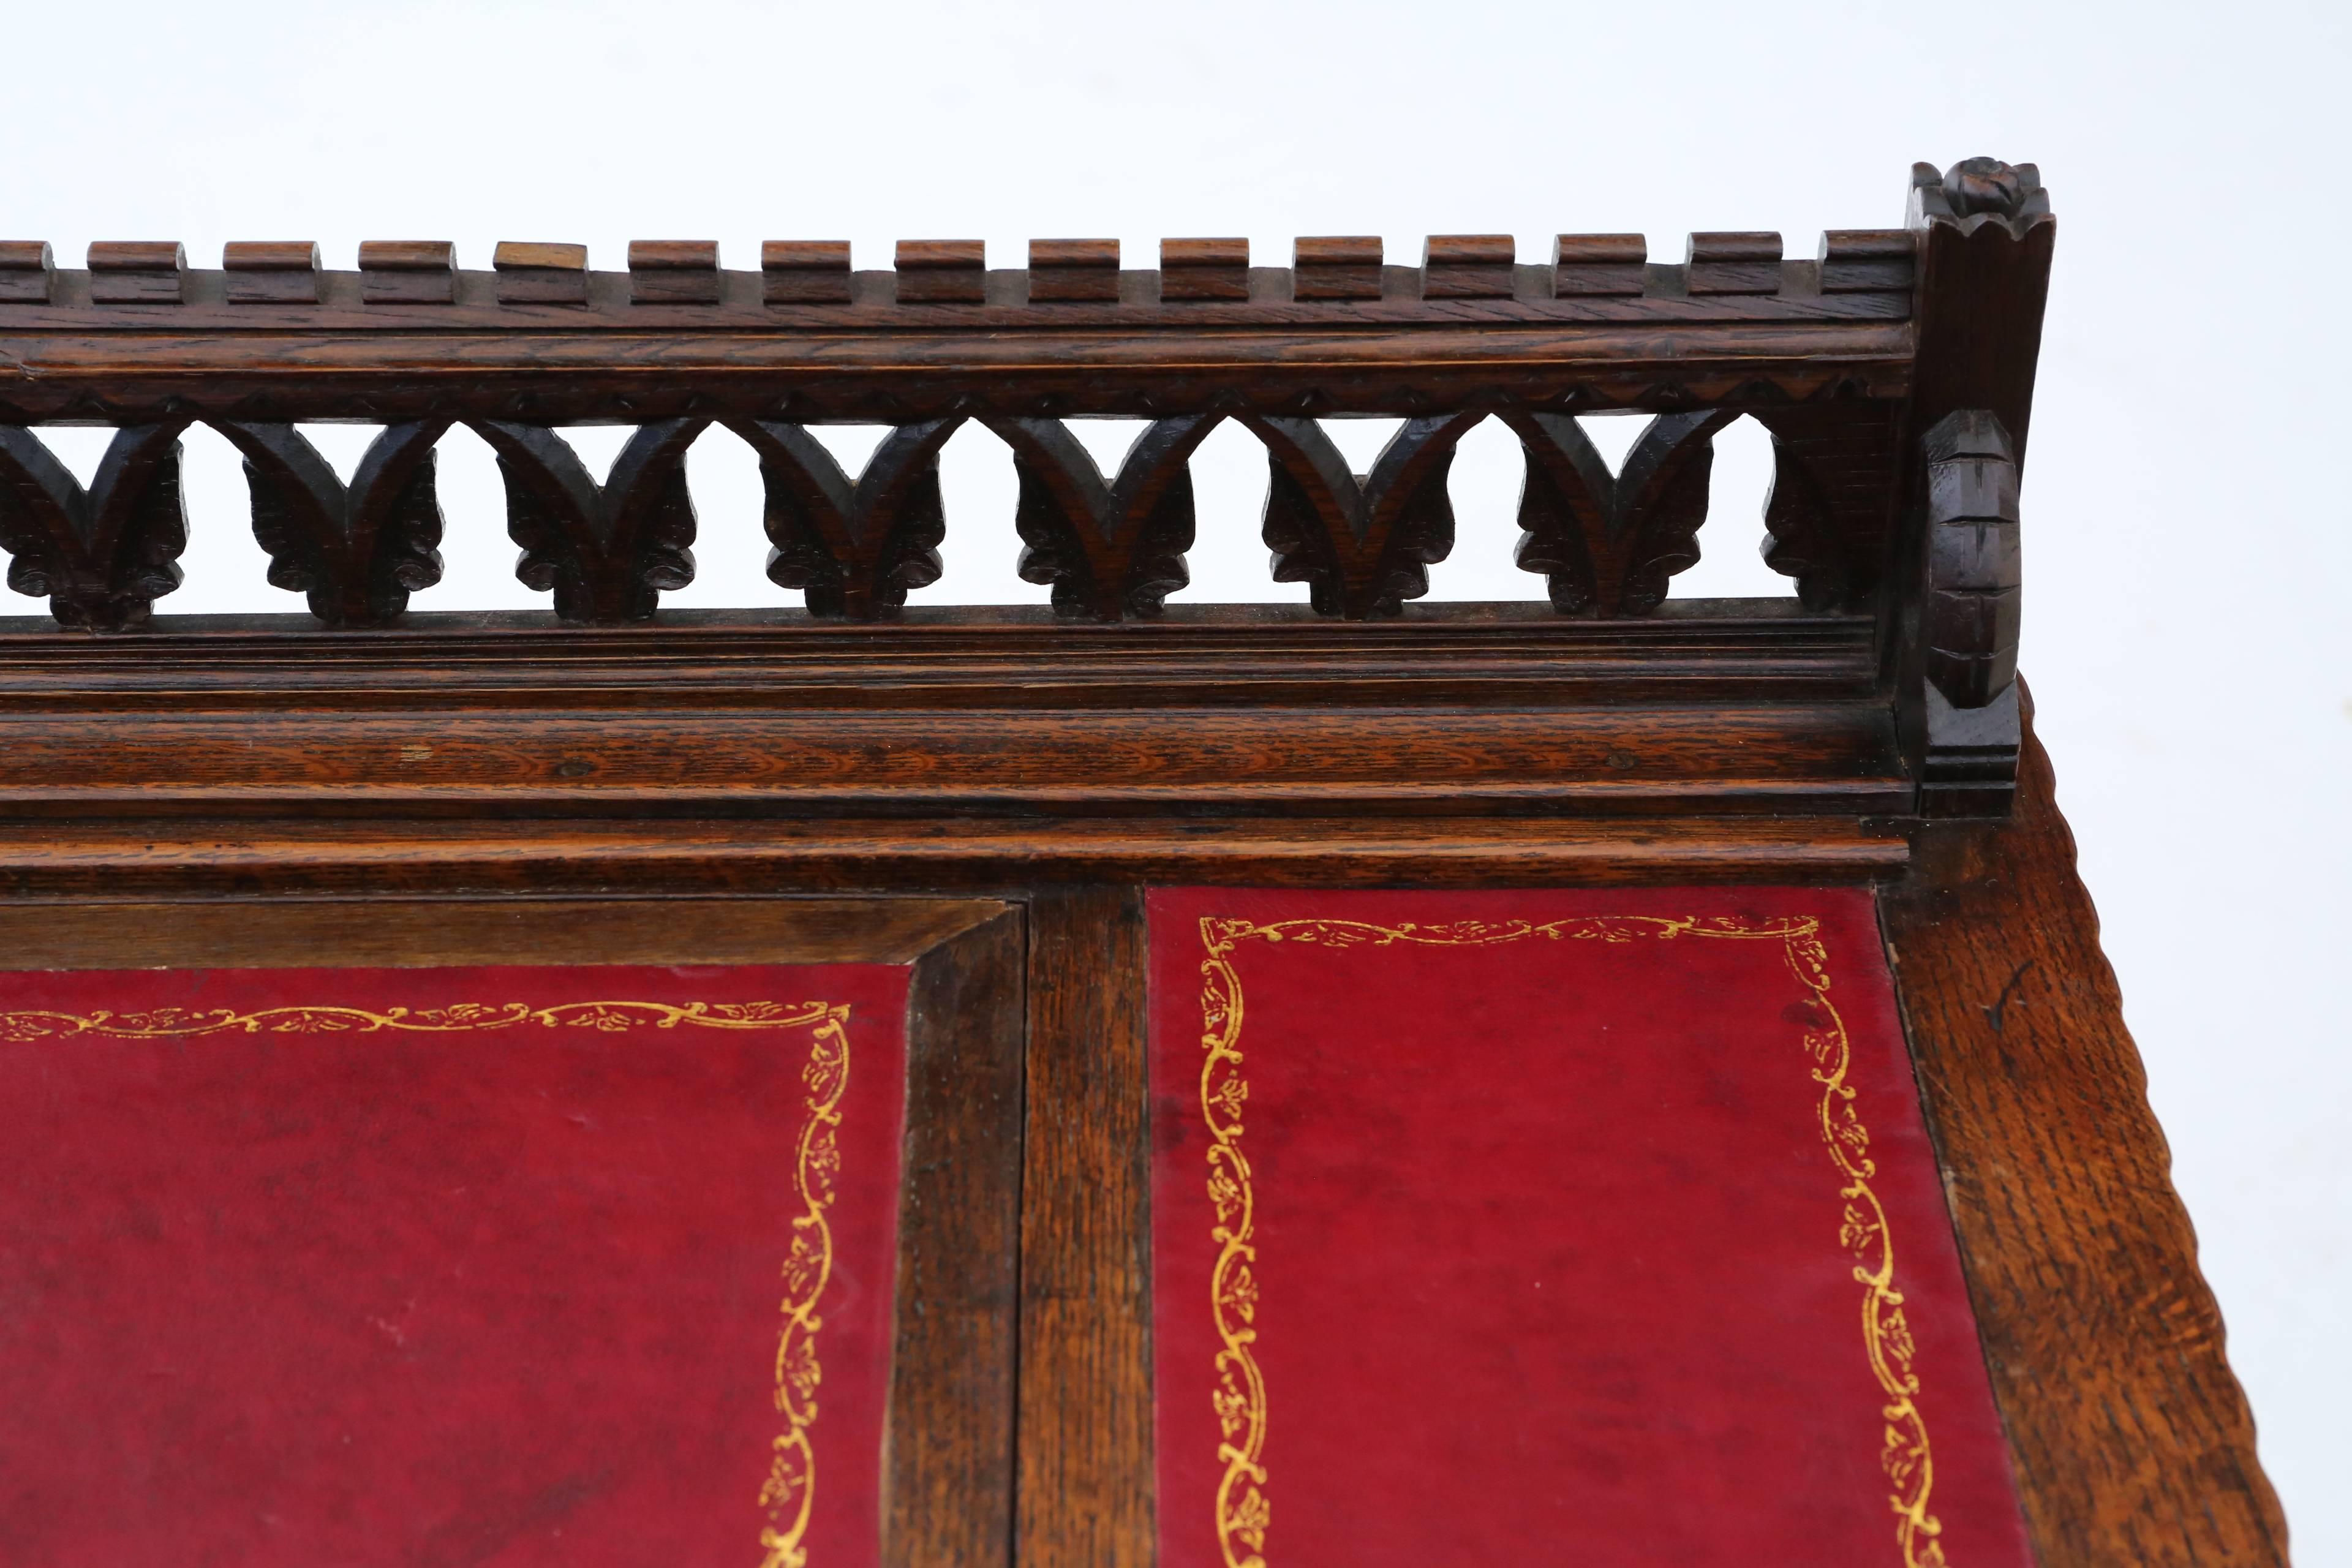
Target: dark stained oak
x=202 y=857
x=357 y=551
x=1362 y=544
x=2132 y=1442
x=103 y=554
x=384 y=929
x=618 y=781
x=1087 y=1479
x=949 y=1455
x=855 y=546
x=1108 y=545
x=1985 y=236
x=1225 y=713
x=1608 y=543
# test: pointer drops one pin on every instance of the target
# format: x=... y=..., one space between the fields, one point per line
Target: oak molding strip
x=1892 y=373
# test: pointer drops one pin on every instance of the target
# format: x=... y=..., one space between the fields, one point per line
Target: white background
x=2187 y=532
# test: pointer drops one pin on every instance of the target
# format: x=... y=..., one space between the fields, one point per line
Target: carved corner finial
x=1978 y=190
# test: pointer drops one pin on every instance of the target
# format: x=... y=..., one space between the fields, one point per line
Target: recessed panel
x=1553 y=1227
x=578 y=1266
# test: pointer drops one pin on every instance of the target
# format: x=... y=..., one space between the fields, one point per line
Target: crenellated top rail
x=1893 y=371
x=941 y=334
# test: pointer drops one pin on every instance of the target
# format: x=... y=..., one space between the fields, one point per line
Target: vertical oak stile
x=947 y=1466
x=1087 y=1476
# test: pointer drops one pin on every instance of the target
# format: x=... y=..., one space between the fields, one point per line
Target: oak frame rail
x=1893 y=374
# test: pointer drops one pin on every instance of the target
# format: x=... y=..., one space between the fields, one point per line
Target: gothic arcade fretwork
x=1244 y=1508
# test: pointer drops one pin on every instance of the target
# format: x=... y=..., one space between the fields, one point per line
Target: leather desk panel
x=1553 y=1227
x=556 y=1265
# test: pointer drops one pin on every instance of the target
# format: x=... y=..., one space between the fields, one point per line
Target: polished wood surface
x=196 y=857
x=378 y=782
x=949 y=1445
x=1087 y=1484
x=374 y=929
x=2130 y=1437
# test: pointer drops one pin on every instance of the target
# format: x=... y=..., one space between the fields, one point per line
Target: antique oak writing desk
x=1601 y=1079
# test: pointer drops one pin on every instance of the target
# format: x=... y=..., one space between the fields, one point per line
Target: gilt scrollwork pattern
x=1242 y=1513
x=787 y=1497
x=789 y=1491
x=608 y=1018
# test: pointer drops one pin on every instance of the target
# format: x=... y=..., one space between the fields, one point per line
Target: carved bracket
x=1109 y=547
x=357 y=551
x=1607 y=543
x=608 y=552
x=1971 y=617
x=855 y=549
x=1362 y=544
x=102 y=556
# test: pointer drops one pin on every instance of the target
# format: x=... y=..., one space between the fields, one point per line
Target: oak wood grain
x=384 y=364
x=1087 y=1477
x=385 y=930
x=948 y=1446
x=1478 y=712
x=200 y=857
x=2131 y=1439
x=994 y=656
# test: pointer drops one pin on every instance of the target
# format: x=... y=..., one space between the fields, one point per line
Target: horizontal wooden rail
x=1892 y=371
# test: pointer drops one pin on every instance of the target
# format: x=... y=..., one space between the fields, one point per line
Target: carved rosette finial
x=1978 y=190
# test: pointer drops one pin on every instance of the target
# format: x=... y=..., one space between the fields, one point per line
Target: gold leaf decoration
x=1244 y=1515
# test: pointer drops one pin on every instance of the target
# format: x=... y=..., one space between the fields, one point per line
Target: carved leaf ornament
x=1111 y=547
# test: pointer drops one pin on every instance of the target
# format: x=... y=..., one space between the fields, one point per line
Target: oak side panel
x=1087 y=1479
x=948 y=1454
x=2132 y=1441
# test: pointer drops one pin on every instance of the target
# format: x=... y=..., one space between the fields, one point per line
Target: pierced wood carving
x=357 y=551
x=1842 y=360
x=608 y=552
x=1362 y=544
x=1828 y=518
x=1109 y=549
x=1800 y=536
x=102 y=556
x=1607 y=544
x=856 y=549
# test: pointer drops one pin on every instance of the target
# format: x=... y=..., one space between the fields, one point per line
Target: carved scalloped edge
x=1975 y=192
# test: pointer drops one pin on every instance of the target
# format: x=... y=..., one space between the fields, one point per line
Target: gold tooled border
x=790 y=1491
x=1242 y=1513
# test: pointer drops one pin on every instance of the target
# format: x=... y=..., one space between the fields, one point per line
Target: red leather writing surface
x=1562 y=1227
x=560 y=1265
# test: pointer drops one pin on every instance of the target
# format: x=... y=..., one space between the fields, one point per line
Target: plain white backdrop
x=2189 y=545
